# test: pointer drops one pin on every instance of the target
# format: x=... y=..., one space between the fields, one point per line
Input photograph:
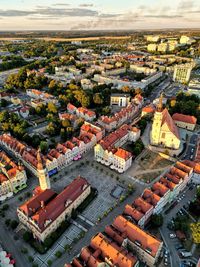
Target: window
x=163 y=135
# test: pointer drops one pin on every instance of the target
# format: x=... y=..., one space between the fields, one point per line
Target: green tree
x=97 y=98
x=44 y=147
x=52 y=108
x=157 y=220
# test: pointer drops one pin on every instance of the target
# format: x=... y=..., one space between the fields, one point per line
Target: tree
x=66 y=123
x=52 y=108
x=58 y=254
x=198 y=192
x=49 y=262
x=126 y=89
x=44 y=147
x=157 y=220
x=14 y=224
x=82 y=98
x=97 y=98
x=30 y=258
x=138 y=91
x=4 y=102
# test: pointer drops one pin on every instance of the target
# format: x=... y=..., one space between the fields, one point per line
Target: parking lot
x=172 y=243
x=191 y=148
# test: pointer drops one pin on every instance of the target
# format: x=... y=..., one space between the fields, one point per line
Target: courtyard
x=148 y=166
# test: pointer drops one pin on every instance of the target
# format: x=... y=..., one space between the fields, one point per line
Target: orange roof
x=87 y=256
x=3 y=178
x=59 y=203
x=111 y=251
x=184 y=118
x=133 y=212
x=148 y=109
x=109 y=141
x=159 y=189
x=150 y=197
x=122 y=153
x=142 y=205
x=137 y=235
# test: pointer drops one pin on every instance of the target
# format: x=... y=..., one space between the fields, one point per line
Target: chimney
x=42 y=204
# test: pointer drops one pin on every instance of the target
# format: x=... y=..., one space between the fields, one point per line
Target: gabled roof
x=122 y=153
x=110 y=250
x=184 y=118
x=166 y=118
x=60 y=202
x=137 y=235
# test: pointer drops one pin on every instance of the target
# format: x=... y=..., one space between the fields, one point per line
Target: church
x=164 y=132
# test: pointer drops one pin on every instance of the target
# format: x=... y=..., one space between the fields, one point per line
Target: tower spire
x=160 y=104
x=42 y=173
x=39 y=160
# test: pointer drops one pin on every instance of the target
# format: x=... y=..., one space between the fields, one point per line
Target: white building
x=120 y=100
x=182 y=73
x=12 y=177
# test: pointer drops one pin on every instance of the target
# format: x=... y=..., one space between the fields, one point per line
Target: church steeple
x=42 y=173
x=160 y=104
x=39 y=161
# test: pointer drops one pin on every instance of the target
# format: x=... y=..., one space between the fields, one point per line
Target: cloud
x=186 y=5
x=61 y=4
x=164 y=16
x=104 y=15
x=86 y=5
x=51 y=12
x=15 y=13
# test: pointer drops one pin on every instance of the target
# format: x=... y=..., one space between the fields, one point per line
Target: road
x=4 y=75
x=170 y=243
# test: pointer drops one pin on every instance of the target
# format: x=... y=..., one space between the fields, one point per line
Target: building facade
x=46 y=210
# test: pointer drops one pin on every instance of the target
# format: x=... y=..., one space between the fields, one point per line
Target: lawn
x=151 y=160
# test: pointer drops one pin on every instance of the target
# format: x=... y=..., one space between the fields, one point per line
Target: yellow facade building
x=164 y=132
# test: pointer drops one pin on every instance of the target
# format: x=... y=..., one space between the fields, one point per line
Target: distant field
x=67 y=39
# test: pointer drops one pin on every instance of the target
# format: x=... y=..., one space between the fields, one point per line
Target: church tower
x=42 y=173
x=157 y=122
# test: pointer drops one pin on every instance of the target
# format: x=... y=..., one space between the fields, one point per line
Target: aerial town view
x=99 y=133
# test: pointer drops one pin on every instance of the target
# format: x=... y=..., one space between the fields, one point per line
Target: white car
x=172 y=236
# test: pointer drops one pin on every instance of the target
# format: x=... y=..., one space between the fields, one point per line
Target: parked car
x=172 y=235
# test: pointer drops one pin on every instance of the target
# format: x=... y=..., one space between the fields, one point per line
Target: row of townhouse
x=26 y=154
x=124 y=115
x=122 y=244
x=154 y=199
x=81 y=112
x=12 y=177
x=44 y=212
x=39 y=95
x=109 y=152
x=74 y=149
x=59 y=157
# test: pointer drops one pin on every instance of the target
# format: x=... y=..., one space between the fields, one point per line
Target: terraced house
x=12 y=176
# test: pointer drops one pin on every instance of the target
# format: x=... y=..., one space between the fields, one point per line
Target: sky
x=98 y=14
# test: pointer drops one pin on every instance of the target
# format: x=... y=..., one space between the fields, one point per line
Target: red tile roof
x=124 y=154
x=133 y=212
x=110 y=250
x=109 y=141
x=142 y=205
x=56 y=206
x=137 y=235
x=184 y=118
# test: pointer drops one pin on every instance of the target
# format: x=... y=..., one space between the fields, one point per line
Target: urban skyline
x=98 y=15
